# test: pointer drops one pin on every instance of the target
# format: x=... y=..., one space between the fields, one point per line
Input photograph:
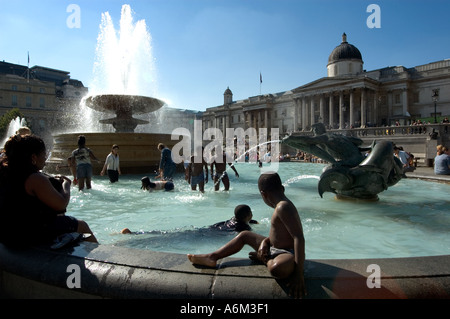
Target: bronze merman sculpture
x=350 y=173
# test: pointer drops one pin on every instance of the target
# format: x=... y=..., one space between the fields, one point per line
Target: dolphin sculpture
x=350 y=174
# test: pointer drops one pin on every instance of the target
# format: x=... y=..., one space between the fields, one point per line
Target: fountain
x=89 y=270
x=123 y=77
x=350 y=175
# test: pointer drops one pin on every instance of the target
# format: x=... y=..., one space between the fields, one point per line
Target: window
x=397 y=99
x=14 y=100
x=14 y=87
x=41 y=90
x=42 y=102
x=28 y=101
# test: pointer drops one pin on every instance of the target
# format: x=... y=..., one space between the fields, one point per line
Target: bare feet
x=204 y=260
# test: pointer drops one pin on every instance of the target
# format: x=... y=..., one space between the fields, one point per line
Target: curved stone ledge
x=117 y=272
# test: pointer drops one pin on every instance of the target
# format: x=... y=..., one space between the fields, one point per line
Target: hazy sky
x=201 y=47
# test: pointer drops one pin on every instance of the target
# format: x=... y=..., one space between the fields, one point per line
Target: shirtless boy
x=283 y=251
x=194 y=174
x=221 y=174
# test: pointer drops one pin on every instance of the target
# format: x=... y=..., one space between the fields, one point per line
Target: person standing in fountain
x=33 y=204
x=194 y=173
x=112 y=165
x=283 y=251
x=81 y=159
x=167 y=166
x=221 y=172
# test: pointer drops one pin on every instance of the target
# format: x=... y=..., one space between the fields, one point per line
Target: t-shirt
x=81 y=155
x=441 y=164
x=112 y=162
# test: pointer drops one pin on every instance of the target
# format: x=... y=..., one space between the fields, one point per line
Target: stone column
x=331 y=110
x=313 y=111
x=405 y=101
x=352 y=108
x=363 y=107
x=266 y=119
x=322 y=108
x=341 y=110
x=303 y=113
x=296 y=114
x=389 y=101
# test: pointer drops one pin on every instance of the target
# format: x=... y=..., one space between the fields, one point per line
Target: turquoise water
x=411 y=218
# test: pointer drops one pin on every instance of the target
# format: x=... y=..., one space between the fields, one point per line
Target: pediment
x=329 y=83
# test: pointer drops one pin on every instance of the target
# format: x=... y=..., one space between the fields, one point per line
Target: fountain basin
x=124 y=106
x=138 y=151
x=123 y=103
x=106 y=271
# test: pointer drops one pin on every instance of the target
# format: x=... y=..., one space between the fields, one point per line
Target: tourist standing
x=81 y=159
x=167 y=166
x=112 y=165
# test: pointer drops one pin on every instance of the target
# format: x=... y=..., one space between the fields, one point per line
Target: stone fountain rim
x=159 y=103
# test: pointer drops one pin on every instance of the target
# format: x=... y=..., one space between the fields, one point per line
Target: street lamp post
x=435 y=97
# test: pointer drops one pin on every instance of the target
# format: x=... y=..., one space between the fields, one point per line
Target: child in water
x=150 y=186
x=242 y=217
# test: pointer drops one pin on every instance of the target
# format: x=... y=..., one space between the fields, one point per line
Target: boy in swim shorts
x=286 y=233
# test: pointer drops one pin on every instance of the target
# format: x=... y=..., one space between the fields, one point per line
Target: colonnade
x=337 y=109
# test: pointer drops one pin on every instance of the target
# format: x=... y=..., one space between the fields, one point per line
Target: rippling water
x=411 y=218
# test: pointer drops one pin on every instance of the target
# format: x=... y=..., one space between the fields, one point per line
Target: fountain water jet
x=123 y=77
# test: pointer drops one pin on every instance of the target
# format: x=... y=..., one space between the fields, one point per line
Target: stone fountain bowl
x=118 y=103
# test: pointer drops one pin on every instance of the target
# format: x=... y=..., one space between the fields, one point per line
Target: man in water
x=221 y=172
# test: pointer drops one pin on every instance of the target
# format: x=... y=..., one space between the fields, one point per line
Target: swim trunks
x=274 y=252
x=195 y=180
x=84 y=171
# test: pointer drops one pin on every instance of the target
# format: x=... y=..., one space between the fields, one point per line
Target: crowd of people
x=33 y=205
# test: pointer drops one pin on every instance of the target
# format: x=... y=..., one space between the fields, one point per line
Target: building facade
x=348 y=97
x=44 y=96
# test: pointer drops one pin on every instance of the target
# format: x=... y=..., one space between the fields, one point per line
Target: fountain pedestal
x=138 y=151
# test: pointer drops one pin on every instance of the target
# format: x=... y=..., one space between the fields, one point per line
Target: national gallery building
x=348 y=97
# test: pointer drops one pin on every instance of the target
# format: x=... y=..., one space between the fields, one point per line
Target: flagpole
x=28 y=68
x=260 y=82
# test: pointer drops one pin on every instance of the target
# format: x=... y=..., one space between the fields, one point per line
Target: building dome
x=344 y=51
x=345 y=59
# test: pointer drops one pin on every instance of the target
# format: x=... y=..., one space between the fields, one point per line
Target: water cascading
x=124 y=81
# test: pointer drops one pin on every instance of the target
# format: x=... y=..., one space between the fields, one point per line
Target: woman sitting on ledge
x=32 y=204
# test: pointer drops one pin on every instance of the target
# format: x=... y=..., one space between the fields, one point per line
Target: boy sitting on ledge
x=283 y=251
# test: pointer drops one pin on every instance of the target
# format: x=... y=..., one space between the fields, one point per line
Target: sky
x=201 y=47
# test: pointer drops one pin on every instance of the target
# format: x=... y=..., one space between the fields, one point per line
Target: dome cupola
x=345 y=59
